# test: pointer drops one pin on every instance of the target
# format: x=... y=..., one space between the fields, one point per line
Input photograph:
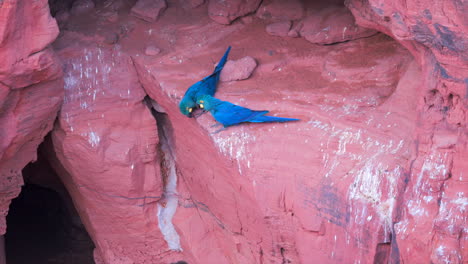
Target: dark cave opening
x=42 y=223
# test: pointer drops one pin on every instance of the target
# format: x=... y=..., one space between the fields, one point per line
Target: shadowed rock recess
x=375 y=171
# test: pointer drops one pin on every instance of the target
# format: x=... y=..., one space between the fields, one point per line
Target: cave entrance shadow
x=42 y=224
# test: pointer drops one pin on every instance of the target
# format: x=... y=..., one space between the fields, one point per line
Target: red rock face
x=347 y=202
x=281 y=10
x=332 y=25
x=30 y=91
x=149 y=10
x=431 y=221
x=280 y=29
x=374 y=172
x=238 y=70
x=105 y=144
x=224 y=12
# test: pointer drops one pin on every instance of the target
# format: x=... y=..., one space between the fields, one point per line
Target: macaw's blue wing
x=206 y=86
x=230 y=114
x=263 y=119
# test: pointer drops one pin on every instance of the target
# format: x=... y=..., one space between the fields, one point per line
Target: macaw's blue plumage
x=230 y=114
x=206 y=86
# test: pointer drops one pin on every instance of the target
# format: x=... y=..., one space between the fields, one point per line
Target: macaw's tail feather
x=211 y=80
x=261 y=119
x=223 y=60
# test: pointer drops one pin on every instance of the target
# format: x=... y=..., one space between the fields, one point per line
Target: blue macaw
x=206 y=86
x=229 y=114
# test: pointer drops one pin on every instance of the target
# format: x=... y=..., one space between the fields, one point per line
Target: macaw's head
x=206 y=102
x=187 y=106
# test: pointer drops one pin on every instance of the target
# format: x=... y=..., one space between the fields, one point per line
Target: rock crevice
x=374 y=171
x=168 y=206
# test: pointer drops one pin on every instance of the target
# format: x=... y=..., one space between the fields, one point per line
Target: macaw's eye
x=201 y=106
x=190 y=110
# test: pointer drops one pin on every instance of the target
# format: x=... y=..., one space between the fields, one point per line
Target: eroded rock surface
x=149 y=10
x=236 y=70
x=373 y=173
x=281 y=10
x=80 y=7
x=224 y=12
x=358 y=169
x=332 y=25
x=105 y=148
x=280 y=29
x=431 y=223
x=30 y=90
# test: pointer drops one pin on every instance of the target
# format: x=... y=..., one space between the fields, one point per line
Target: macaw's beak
x=190 y=110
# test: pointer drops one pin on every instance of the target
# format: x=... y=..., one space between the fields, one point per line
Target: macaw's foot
x=219 y=130
x=199 y=113
x=216 y=125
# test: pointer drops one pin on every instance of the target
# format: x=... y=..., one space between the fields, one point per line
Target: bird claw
x=219 y=130
x=216 y=125
x=199 y=114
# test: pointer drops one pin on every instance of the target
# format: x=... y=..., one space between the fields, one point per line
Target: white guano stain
x=453 y=212
x=428 y=198
x=401 y=228
x=434 y=167
x=415 y=208
x=375 y=177
x=166 y=213
x=87 y=77
x=93 y=139
x=235 y=145
x=373 y=173
x=446 y=255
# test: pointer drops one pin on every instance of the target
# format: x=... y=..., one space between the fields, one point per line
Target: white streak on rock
x=166 y=213
x=93 y=139
x=235 y=146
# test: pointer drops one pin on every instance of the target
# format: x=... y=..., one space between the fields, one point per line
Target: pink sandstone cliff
x=375 y=171
x=31 y=90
